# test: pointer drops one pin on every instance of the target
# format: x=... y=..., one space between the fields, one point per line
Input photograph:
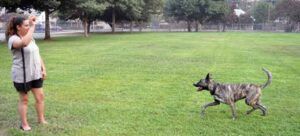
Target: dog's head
x=204 y=83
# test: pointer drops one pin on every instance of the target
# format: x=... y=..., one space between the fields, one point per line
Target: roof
x=239 y=12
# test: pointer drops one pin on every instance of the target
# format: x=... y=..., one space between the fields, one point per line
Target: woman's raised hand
x=32 y=20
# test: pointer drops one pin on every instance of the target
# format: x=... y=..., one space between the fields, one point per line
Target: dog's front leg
x=207 y=105
x=233 y=110
x=218 y=99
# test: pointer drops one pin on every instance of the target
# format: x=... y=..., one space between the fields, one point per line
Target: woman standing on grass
x=28 y=69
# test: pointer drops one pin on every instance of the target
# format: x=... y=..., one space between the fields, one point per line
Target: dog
x=231 y=93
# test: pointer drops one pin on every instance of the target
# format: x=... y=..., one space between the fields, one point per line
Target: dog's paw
x=202 y=114
x=264 y=114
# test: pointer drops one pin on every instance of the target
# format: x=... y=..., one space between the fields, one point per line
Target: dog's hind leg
x=258 y=106
x=207 y=105
x=251 y=102
x=251 y=110
x=262 y=108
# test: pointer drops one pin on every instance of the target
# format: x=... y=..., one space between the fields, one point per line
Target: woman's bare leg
x=22 y=108
x=39 y=104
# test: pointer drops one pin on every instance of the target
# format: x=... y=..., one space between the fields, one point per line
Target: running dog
x=230 y=93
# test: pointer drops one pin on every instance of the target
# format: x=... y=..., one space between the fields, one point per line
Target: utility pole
x=268 y=13
x=269 y=8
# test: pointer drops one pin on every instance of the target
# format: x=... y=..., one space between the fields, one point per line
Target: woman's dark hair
x=11 y=26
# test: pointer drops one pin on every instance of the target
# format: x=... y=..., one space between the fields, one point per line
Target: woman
x=28 y=69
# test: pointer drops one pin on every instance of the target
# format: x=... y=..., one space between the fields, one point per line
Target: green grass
x=141 y=84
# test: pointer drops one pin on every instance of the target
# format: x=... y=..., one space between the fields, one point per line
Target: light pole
x=269 y=8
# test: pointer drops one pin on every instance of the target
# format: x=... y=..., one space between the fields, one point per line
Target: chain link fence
x=100 y=26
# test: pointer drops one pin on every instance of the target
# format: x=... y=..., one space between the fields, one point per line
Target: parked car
x=40 y=28
x=56 y=28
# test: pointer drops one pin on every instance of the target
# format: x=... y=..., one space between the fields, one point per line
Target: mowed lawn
x=141 y=84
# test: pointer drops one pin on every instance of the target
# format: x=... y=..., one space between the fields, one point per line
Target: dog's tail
x=269 y=78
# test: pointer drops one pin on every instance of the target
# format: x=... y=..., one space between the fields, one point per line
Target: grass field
x=141 y=84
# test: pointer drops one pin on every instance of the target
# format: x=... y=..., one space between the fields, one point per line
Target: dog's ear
x=208 y=77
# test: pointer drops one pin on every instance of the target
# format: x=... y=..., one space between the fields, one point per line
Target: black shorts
x=29 y=85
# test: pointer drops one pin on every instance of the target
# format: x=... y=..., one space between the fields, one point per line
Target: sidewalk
x=53 y=34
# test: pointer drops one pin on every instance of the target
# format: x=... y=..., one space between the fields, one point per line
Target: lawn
x=141 y=84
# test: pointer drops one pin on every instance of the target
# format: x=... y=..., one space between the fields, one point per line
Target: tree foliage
x=12 y=5
x=130 y=11
x=48 y=6
x=289 y=9
x=261 y=12
x=245 y=19
x=198 y=11
x=122 y=10
x=151 y=7
x=86 y=10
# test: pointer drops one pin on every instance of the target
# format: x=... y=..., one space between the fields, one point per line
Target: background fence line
x=76 y=27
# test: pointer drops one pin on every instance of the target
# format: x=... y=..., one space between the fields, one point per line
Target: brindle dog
x=230 y=93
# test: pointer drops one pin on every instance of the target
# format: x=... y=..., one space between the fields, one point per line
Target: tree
x=154 y=6
x=185 y=10
x=133 y=11
x=222 y=13
x=198 y=11
x=86 y=10
x=245 y=19
x=10 y=5
x=201 y=12
x=48 y=6
x=150 y=7
x=261 y=12
x=290 y=11
x=122 y=10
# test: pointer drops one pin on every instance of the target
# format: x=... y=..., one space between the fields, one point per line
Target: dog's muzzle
x=199 y=87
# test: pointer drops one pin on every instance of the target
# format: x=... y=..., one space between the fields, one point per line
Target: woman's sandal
x=43 y=123
x=24 y=129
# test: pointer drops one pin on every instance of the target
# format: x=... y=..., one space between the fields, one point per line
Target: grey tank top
x=33 y=65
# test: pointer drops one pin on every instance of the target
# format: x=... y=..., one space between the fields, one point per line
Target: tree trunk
x=85 y=24
x=89 y=26
x=47 y=25
x=219 y=27
x=140 y=26
x=200 y=26
x=298 y=27
x=197 y=26
x=224 y=27
x=113 y=20
x=189 y=25
x=131 y=26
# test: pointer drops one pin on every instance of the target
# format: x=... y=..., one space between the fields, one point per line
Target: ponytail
x=11 y=26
